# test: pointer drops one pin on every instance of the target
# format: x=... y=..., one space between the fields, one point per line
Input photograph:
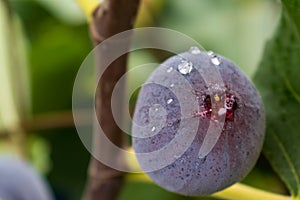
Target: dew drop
x=210 y=53
x=182 y=160
x=194 y=50
x=155 y=108
x=197 y=164
x=169 y=101
x=169 y=69
x=185 y=67
x=172 y=85
x=215 y=60
x=153 y=129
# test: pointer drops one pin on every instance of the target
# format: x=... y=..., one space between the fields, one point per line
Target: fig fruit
x=18 y=181
x=198 y=124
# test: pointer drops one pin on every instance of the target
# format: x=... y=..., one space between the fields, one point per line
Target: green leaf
x=232 y=28
x=72 y=15
x=57 y=52
x=278 y=79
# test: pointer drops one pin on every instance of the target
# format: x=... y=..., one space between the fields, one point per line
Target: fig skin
x=241 y=139
x=19 y=181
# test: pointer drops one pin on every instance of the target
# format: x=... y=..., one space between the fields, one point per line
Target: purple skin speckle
x=238 y=146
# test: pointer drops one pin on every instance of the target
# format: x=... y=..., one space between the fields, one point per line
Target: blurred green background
x=43 y=45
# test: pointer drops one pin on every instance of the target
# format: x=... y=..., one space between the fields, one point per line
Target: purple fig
x=181 y=92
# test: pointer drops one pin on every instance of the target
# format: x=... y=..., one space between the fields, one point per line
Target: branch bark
x=112 y=17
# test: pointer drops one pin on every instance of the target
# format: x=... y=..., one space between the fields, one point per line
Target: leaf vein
x=288 y=160
x=291 y=89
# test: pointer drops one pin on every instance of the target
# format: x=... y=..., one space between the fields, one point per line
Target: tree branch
x=112 y=17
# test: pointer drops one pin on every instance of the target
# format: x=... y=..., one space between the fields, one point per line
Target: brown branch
x=112 y=17
x=48 y=121
x=55 y=120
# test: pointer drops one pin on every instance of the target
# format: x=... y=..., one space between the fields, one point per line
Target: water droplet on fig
x=210 y=53
x=153 y=129
x=169 y=101
x=194 y=50
x=215 y=60
x=185 y=67
x=182 y=160
x=197 y=164
x=154 y=108
x=169 y=69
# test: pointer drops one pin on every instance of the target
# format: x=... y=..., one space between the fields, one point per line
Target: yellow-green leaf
x=278 y=79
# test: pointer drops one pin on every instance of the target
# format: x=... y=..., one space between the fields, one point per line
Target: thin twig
x=49 y=121
x=54 y=120
x=112 y=17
